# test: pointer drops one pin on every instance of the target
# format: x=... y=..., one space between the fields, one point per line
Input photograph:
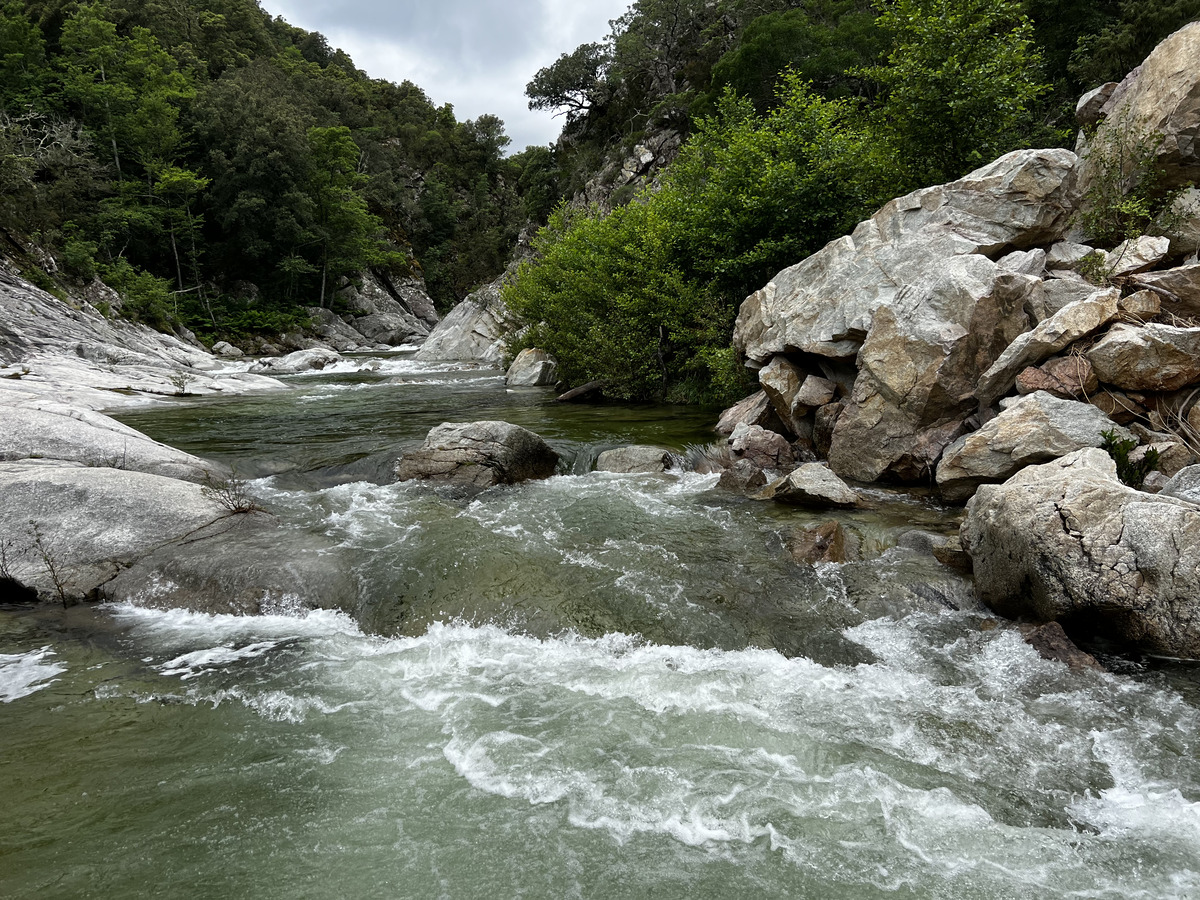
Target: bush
x=645 y=298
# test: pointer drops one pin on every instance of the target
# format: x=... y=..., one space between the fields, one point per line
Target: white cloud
x=475 y=54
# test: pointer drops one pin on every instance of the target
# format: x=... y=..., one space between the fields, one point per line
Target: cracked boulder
x=919 y=367
x=1067 y=542
x=1032 y=429
x=478 y=455
x=825 y=304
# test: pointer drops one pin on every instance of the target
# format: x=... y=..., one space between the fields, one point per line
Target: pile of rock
x=969 y=331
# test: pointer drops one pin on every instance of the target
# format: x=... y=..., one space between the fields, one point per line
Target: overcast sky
x=475 y=54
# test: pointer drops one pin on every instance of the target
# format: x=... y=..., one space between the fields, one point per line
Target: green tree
x=960 y=83
x=572 y=84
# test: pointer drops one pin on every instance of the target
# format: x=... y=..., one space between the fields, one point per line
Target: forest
x=800 y=119
x=224 y=170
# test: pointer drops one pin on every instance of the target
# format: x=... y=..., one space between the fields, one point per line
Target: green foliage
x=961 y=81
x=144 y=297
x=1132 y=30
x=822 y=42
x=571 y=84
x=1125 y=197
x=1131 y=473
x=645 y=298
x=78 y=258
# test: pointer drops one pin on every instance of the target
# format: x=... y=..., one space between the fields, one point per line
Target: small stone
x=743 y=477
x=1143 y=305
x=1052 y=643
x=811 y=485
x=636 y=459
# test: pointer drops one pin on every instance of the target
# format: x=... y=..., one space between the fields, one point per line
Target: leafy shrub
x=1131 y=473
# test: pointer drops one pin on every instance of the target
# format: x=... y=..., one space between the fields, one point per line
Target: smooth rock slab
x=1032 y=429
x=478 y=455
x=51 y=431
x=1067 y=542
x=93 y=521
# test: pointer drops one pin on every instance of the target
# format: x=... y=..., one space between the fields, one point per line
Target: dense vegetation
x=803 y=117
x=225 y=169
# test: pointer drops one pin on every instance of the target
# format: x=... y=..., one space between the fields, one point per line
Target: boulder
x=1073 y=322
x=1141 y=305
x=812 y=485
x=1179 y=288
x=478 y=455
x=780 y=380
x=1160 y=102
x=634 y=460
x=1184 y=214
x=1030 y=430
x=825 y=304
x=1055 y=293
x=473 y=331
x=333 y=330
x=296 y=363
x=1067 y=542
x=1122 y=407
x=1068 y=255
x=743 y=477
x=1068 y=377
x=824 y=422
x=44 y=430
x=1185 y=485
x=1088 y=109
x=227 y=350
x=91 y=522
x=919 y=366
x=1024 y=262
x=1052 y=643
x=1149 y=357
x=754 y=410
x=532 y=368
x=762 y=448
x=1136 y=255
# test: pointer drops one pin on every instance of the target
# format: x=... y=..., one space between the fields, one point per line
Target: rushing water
x=593 y=686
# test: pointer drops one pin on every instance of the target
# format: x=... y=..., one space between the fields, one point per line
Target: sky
x=476 y=55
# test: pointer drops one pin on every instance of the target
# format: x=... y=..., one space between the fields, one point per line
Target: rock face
x=473 y=331
x=1152 y=357
x=634 y=460
x=92 y=520
x=532 y=368
x=478 y=455
x=50 y=351
x=919 y=367
x=381 y=318
x=1067 y=542
x=42 y=430
x=1032 y=429
x=825 y=304
x=1162 y=97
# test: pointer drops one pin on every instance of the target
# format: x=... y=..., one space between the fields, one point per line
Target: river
x=593 y=686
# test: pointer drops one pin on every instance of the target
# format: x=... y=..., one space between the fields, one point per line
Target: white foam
x=22 y=674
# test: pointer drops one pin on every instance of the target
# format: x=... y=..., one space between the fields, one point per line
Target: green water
x=594 y=686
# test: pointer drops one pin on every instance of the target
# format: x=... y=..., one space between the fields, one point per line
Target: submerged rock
x=1067 y=542
x=478 y=455
x=821 y=543
x=241 y=564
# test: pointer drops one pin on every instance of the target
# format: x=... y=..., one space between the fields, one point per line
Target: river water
x=593 y=686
